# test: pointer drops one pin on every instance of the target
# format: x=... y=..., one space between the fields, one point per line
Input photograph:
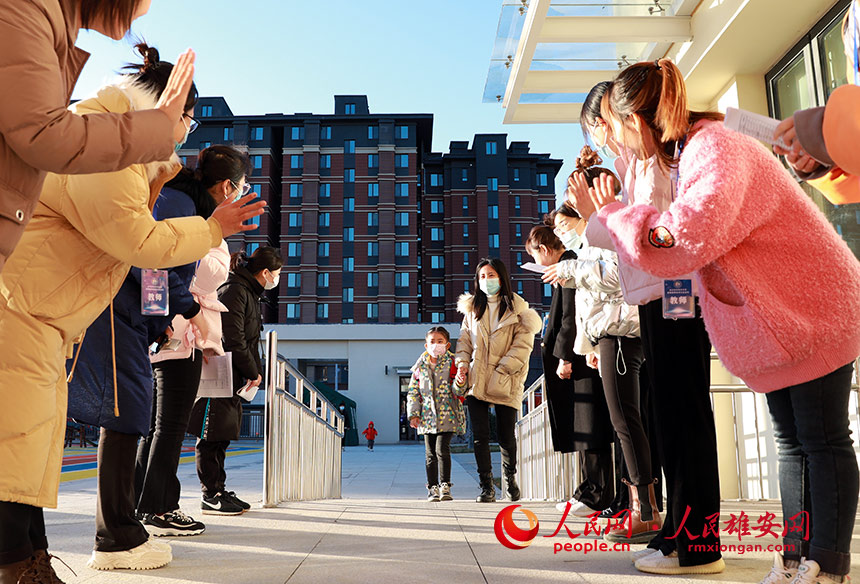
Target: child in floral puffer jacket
x=434 y=405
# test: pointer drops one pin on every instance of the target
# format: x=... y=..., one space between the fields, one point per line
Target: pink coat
x=779 y=289
x=212 y=271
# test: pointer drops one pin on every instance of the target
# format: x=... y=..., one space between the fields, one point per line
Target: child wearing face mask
x=435 y=408
x=493 y=351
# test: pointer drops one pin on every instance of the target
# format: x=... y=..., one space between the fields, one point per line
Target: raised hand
x=175 y=94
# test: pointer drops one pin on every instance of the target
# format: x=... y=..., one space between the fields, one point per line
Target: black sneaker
x=232 y=496
x=610 y=512
x=172 y=523
x=220 y=504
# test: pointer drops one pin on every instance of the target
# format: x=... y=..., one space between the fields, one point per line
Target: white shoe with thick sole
x=147 y=556
x=636 y=556
x=577 y=508
x=671 y=565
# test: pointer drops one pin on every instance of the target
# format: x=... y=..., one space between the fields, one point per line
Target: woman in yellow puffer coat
x=86 y=233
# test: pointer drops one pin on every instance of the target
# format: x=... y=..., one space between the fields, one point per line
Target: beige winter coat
x=498 y=359
x=86 y=233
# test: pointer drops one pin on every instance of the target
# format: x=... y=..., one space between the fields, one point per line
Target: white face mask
x=436 y=350
x=274 y=283
x=490 y=286
x=570 y=239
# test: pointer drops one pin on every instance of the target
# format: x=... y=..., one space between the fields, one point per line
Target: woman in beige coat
x=496 y=341
x=39 y=66
x=86 y=233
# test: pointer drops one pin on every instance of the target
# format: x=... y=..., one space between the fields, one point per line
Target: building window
x=322 y=249
x=295 y=219
x=373 y=161
x=518 y=231
x=349 y=146
x=437 y=207
x=494 y=240
x=519 y=258
x=206 y=111
x=372 y=280
x=516 y=174
x=491 y=147
x=349 y=109
x=465 y=231
x=257 y=134
x=372 y=311
x=401 y=279
x=228 y=134
x=465 y=203
x=325 y=161
x=520 y=287
x=294 y=280
x=349 y=204
x=373 y=219
x=292 y=310
x=325 y=191
x=322 y=310
x=547 y=290
x=349 y=264
x=466 y=286
x=492 y=184
x=401 y=310
x=401 y=219
x=401 y=161
x=372 y=190
x=436 y=234
x=372 y=132
x=372 y=249
x=251 y=248
x=464 y=174
x=205 y=145
x=297 y=133
x=466 y=258
x=325 y=220
x=257 y=189
x=349 y=175
x=401 y=132
x=348 y=294
x=294 y=250
x=349 y=233
x=297 y=161
x=517 y=202
x=543 y=179
x=543 y=207
x=401 y=249
x=401 y=190
x=296 y=191
x=437 y=290
x=322 y=280
x=436 y=317
x=436 y=180
x=493 y=211
x=325 y=133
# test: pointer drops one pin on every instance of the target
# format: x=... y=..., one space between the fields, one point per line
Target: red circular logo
x=511 y=536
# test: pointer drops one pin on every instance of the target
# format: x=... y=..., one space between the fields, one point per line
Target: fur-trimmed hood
x=528 y=316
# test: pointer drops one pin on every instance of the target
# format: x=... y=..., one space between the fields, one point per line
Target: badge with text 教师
x=153 y=292
x=678 y=299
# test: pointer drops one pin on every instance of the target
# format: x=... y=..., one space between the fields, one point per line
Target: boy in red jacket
x=370 y=433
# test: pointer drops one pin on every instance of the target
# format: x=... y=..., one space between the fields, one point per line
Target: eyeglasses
x=246 y=188
x=192 y=125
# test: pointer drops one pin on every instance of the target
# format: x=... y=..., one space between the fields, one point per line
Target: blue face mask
x=177 y=146
x=490 y=286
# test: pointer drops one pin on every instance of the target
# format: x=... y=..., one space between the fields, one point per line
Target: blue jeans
x=817 y=467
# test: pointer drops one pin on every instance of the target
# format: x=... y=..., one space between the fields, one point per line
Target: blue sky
x=287 y=56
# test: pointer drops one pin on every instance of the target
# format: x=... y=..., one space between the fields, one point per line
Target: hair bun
x=587 y=158
x=151 y=57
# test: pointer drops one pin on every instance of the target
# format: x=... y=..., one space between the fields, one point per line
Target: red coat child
x=370 y=433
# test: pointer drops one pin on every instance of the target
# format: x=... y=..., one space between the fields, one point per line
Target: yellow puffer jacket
x=86 y=232
x=498 y=358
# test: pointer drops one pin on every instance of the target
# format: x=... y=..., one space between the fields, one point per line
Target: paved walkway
x=381 y=531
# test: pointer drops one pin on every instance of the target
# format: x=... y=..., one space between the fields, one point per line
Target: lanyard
x=676 y=171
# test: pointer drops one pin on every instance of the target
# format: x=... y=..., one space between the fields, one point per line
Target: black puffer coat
x=219 y=419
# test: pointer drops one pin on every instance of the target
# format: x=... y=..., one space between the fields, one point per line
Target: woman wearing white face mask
x=495 y=343
x=216 y=421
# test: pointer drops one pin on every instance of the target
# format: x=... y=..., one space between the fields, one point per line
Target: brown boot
x=39 y=570
x=10 y=573
x=643 y=522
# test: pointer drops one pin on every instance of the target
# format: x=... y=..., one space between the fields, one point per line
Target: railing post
x=269 y=418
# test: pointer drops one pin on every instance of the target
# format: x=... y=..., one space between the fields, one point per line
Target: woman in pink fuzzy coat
x=779 y=291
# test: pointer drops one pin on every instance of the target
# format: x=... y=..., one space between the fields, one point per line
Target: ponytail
x=237 y=259
x=673 y=117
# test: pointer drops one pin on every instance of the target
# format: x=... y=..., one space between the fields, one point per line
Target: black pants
x=210 y=465
x=506 y=420
x=622 y=495
x=818 y=477
x=370 y=442
x=620 y=360
x=646 y=414
x=437 y=448
x=157 y=487
x=596 y=490
x=22 y=532
x=117 y=529
x=678 y=356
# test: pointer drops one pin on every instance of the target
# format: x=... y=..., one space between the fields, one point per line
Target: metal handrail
x=302 y=444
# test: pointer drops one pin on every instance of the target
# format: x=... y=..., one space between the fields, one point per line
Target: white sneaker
x=147 y=556
x=660 y=564
x=809 y=572
x=635 y=556
x=779 y=574
x=577 y=508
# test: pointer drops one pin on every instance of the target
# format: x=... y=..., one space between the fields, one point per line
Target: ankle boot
x=488 y=491
x=643 y=522
x=513 y=488
x=9 y=573
x=40 y=570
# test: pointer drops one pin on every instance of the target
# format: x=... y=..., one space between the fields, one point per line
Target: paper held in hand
x=533 y=267
x=754 y=125
x=216 y=377
x=247 y=392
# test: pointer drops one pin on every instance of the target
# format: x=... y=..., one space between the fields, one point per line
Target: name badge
x=678 y=299
x=153 y=292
